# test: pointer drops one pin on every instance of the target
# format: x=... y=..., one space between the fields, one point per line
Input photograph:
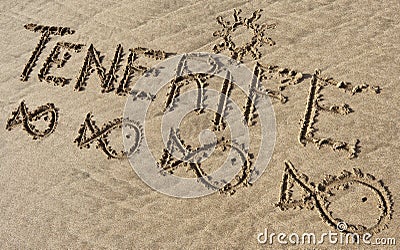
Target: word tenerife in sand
x=61 y=53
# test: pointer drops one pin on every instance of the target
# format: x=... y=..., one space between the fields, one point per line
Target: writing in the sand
x=272 y=81
x=62 y=52
x=277 y=79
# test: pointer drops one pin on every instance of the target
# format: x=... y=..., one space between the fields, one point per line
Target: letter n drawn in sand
x=108 y=79
x=227 y=86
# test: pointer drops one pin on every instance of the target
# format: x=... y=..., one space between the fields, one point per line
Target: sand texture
x=331 y=69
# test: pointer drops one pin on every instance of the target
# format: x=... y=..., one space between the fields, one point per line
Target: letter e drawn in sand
x=90 y=133
x=316 y=196
x=314 y=107
x=54 y=58
x=44 y=114
x=134 y=68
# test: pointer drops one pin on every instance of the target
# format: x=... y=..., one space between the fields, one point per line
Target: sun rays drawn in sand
x=259 y=36
x=316 y=197
x=22 y=116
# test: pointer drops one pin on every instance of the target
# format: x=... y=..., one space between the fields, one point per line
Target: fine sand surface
x=55 y=194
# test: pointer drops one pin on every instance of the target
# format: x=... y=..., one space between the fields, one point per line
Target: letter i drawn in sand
x=90 y=132
x=32 y=122
x=227 y=86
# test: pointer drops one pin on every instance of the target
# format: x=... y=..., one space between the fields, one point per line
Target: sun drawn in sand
x=258 y=33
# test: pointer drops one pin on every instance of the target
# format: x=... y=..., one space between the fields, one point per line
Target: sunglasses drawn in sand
x=316 y=196
x=90 y=133
x=38 y=123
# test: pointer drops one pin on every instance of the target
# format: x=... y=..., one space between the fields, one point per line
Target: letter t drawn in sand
x=46 y=31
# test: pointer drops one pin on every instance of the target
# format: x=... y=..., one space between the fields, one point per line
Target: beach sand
x=56 y=195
